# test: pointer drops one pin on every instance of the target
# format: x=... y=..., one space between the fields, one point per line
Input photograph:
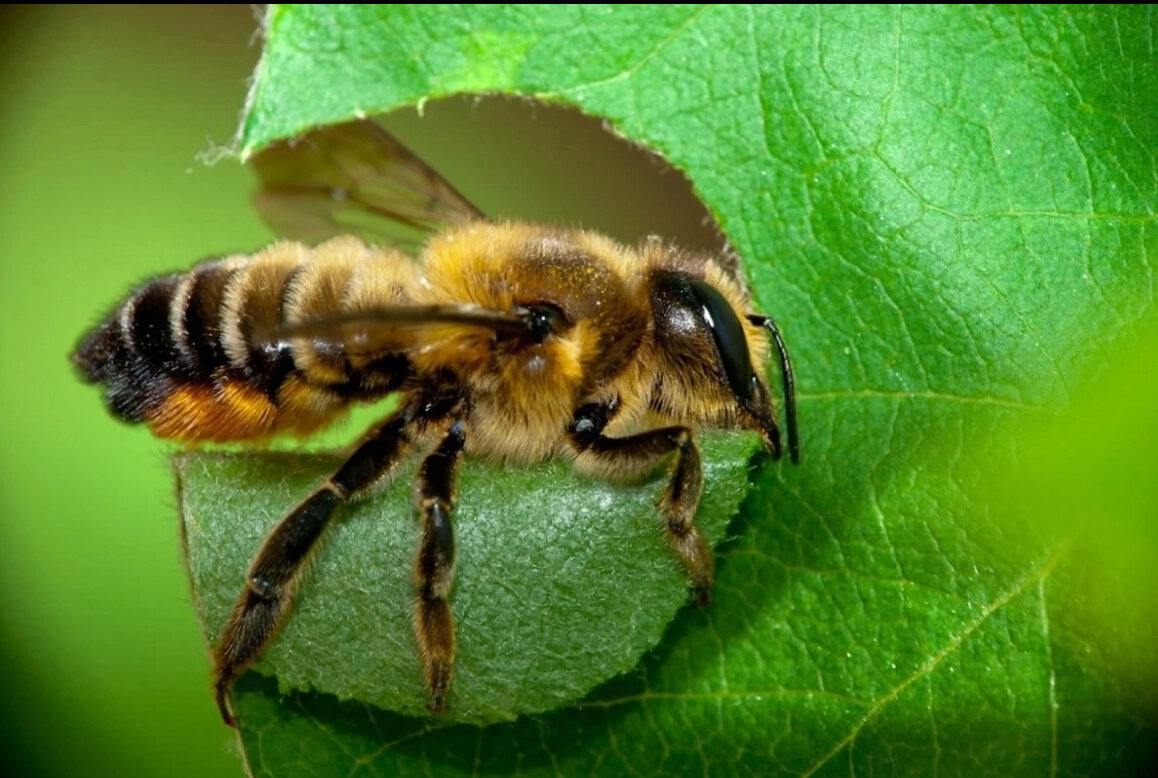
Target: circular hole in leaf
x=519 y=158
x=563 y=581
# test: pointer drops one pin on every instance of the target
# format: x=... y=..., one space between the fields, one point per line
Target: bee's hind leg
x=637 y=454
x=273 y=576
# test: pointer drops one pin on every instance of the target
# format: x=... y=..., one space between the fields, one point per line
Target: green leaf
x=951 y=212
x=562 y=582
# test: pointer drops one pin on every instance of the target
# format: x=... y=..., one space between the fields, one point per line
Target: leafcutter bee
x=508 y=341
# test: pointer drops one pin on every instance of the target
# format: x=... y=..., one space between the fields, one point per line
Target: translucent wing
x=354 y=178
x=335 y=327
x=370 y=335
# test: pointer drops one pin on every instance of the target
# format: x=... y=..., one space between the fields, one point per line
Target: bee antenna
x=788 y=379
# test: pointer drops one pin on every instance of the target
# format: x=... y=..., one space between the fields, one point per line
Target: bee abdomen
x=192 y=355
x=160 y=348
x=132 y=352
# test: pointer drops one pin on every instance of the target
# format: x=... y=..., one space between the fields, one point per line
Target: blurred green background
x=105 y=114
x=102 y=112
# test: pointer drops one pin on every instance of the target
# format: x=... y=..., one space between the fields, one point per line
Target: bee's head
x=710 y=348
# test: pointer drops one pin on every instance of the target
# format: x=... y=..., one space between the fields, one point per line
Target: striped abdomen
x=190 y=354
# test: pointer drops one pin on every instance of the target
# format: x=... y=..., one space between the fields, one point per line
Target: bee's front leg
x=640 y=453
x=273 y=576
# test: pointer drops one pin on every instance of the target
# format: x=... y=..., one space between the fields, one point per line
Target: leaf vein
x=885 y=394
x=1034 y=576
x=630 y=71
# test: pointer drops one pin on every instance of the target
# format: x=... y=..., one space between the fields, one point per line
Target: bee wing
x=379 y=330
x=336 y=327
x=354 y=178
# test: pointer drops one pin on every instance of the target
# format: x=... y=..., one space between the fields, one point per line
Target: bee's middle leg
x=434 y=565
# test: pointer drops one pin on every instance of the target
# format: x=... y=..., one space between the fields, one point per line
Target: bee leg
x=434 y=566
x=638 y=454
x=273 y=575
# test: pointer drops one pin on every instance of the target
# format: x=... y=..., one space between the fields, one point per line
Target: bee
x=507 y=341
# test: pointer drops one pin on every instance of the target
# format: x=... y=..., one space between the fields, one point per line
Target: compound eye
x=729 y=336
x=543 y=319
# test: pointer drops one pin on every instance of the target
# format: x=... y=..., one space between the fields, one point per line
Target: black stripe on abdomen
x=146 y=324
x=200 y=320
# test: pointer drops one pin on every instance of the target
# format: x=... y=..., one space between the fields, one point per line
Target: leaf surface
x=951 y=213
x=562 y=581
